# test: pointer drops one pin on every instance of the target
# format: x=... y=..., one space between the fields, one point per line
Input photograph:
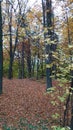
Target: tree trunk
x=29 y=65
x=42 y=68
x=1 y=52
x=72 y=101
x=47 y=16
x=16 y=41
x=48 y=50
x=29 y=59
x=33 y=66
x=19 y=64
x=10 y=74
x=43 y=7
x=22 y=60
x=37 y=70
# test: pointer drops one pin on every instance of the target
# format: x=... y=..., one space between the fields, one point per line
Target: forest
x=36 y=64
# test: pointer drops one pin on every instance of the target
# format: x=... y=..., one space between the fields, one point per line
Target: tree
x=71 y=125
x=10 y=74
x=68 y=35
x=16 y=21
x=1 y=51
x=49 y=36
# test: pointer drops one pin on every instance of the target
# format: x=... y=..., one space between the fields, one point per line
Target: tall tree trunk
x=16 y=41
x=33 y=66
x=29 y=58
x=10 y=74
x=43 y=7
x=19 y=68
x=42 y=67
x=47 y=22
x=37 y=70
x=22 y=60
x=1 y=52
x=72 y=101
x=29 y=65
x=48 y=47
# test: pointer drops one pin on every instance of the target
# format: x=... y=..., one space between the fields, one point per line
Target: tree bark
x=28 y=58
x=72 y=101
x=1 y=52
x=10 y=74
x=22 y=60
x=48 y=50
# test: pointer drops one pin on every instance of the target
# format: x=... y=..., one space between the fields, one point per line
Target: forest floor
x=27 y=99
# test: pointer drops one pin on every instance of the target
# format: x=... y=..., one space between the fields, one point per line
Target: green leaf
x=62 y=99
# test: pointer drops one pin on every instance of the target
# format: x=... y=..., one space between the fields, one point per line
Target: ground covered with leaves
x=25 y=98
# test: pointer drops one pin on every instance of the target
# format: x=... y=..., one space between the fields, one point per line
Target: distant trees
x=24 y=58
x=8 y=35
x=16 y=23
